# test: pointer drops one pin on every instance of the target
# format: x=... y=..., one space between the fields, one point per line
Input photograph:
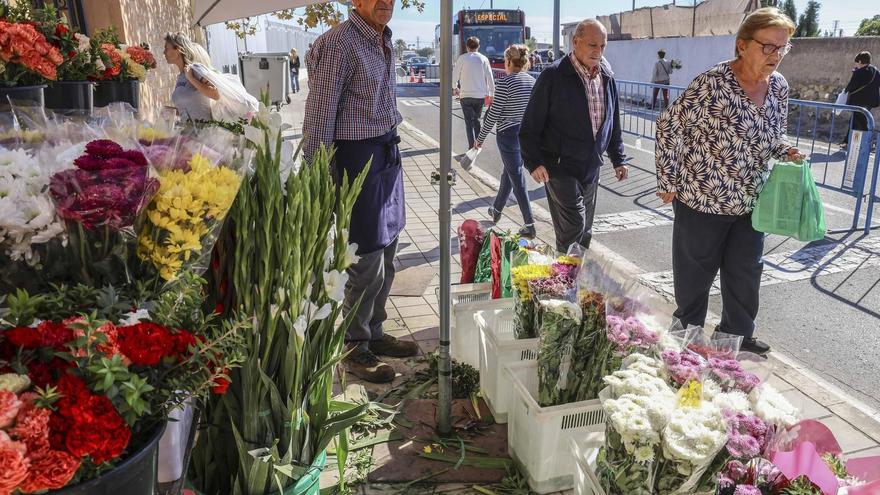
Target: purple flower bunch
x=562 y=269
x=684 y=366
x=747 y=436
x=740 y=478
x=109 y=187
x=730 y=375
x=627 y=333
x=557 y=286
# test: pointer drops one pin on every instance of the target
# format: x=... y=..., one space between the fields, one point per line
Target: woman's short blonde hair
x=191 y=51
x=293 y=53
x=768 y=17
x=518 y=55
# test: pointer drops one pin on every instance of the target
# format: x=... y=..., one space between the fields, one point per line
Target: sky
x=411 y=26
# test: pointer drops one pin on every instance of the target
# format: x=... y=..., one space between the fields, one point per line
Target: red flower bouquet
x=142 y=55
x=112 y=61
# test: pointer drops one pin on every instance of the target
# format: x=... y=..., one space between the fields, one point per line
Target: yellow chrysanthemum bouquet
x=197 y=189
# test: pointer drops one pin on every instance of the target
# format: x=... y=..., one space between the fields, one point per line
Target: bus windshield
x=494 y=39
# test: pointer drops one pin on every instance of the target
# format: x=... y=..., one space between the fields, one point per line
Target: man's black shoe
x=495 y=214
x=754 y=345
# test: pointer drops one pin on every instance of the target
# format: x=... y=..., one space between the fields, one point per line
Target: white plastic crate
x=499 y=347
x=537 y=436
x=585 y=450
x=467 y=299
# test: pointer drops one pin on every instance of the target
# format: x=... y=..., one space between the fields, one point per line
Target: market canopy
x=207 y=12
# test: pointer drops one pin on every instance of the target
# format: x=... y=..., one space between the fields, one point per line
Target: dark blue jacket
x=864 y=87
x=556 y=130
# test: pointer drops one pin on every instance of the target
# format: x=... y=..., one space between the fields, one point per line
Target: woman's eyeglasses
x=770 y=48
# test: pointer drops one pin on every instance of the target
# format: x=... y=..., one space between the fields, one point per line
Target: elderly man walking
x=572 y=119
x=351 y=105
x=473 y=82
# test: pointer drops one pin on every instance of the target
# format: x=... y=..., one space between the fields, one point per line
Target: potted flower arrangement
x=27 y=58
x=84 y=394
x=122 y=68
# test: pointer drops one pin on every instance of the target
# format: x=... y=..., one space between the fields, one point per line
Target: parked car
x=418 y=64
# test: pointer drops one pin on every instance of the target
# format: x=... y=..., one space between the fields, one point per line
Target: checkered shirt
x=351 y=85
x=592 y=79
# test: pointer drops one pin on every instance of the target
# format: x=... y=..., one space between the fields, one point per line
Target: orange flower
x=23 y=45
x=115 y=65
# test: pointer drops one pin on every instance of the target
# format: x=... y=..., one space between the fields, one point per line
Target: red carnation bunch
x=22 y=45
x=147 y=343
x=142 y=56
x=46 y=334
x=112 y=61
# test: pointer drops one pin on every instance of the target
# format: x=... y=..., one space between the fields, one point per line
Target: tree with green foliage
x=789 y=9
x=869 y=27
x=400 y=46
x=426 y=52
x=532 y=43
x=808 y=22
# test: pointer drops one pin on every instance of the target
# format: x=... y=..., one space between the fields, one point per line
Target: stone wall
x=819 y=68
x=139 y=21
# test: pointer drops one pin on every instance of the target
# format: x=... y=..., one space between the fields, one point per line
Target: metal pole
x=557 y=49
x=445 y=366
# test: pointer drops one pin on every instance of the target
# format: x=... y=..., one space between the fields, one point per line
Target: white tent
x=206 y=12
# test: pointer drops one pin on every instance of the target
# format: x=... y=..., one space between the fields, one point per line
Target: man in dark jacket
x=863 y=89
x=571 y=120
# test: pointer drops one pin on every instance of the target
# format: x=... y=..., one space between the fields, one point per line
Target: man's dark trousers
x=472 y=108
x=572 y=207
x=703 y=244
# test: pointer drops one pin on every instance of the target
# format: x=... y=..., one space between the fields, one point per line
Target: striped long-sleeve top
x=511 y=97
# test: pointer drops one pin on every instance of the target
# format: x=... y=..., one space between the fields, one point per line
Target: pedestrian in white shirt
x=473 y=82
x=662 y=70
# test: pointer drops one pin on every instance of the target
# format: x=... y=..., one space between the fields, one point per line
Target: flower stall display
x=523 y=303
x=78 y=395
x=27 y=57
x=559 y=323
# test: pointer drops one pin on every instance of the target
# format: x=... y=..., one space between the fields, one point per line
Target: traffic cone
x=412 y=76
x=421 y=77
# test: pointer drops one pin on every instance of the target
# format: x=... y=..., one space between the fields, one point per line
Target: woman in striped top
x=511 y=97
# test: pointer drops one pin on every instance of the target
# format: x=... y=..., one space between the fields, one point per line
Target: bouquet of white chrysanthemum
x=773 y=407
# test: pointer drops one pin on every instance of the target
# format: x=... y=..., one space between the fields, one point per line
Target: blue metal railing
x=814 y=127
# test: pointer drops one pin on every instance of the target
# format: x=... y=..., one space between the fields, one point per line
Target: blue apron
x=379 y=213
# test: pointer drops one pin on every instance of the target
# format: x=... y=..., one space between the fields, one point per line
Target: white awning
x=207 y=12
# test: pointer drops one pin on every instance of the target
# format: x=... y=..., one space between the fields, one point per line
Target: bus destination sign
x=493 y=17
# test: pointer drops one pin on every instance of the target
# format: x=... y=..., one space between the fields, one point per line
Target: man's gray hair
x=587 y=24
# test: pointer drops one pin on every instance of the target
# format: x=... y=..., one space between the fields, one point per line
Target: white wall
x=272 y=37
x=633 y=60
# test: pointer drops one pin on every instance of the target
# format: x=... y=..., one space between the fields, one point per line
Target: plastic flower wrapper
x=523 y=304
x=101 y=199
x=554 y=287
x=560 y=322
x=718 y=345
x=184 y=218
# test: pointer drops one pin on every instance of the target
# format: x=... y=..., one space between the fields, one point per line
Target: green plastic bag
x=509 y=246
x=483 y=273
x=789 y=204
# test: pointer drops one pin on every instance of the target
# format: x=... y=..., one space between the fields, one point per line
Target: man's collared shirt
x=592 y=79
x=352 y=92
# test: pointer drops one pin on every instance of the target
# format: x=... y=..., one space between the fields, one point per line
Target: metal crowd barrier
x=816 y=128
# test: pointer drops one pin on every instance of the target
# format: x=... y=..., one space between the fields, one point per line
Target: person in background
x=507 y=109
x=572 y=119
x=294 y=70
x=713 y=148
x=473 y=82
x=863 y=90
x=192 y=93
x=662 y=71
x=351 y=105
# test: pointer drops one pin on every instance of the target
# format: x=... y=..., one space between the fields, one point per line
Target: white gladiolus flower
x=351 y=256
x=300 y=326
x=773 y=407
x=334 y=284
x=134 y=317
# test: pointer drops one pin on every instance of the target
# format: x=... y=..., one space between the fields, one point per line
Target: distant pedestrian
x=572 y=119
x=472 y=80
x=662 y=72
x=713 y=145
x=863 y=90
x=550 y=56
x=507 y=109
x=294 y=70
x=351 y=105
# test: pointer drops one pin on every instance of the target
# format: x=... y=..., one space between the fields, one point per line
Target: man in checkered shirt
x=352 y=106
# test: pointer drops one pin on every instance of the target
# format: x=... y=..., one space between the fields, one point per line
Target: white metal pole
x=445 y=214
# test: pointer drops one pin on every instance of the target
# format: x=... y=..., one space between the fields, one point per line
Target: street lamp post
x=557 y=49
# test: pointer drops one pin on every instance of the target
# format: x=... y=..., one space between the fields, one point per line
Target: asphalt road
x=820 y=302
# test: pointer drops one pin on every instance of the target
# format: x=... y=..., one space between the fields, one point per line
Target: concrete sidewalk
x=417 y=318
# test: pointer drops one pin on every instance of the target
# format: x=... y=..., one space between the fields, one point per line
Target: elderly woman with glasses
x=713 y=148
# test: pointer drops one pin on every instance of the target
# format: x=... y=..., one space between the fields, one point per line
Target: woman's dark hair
x=863 y=58
x=661 y=53
x=472 y=43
